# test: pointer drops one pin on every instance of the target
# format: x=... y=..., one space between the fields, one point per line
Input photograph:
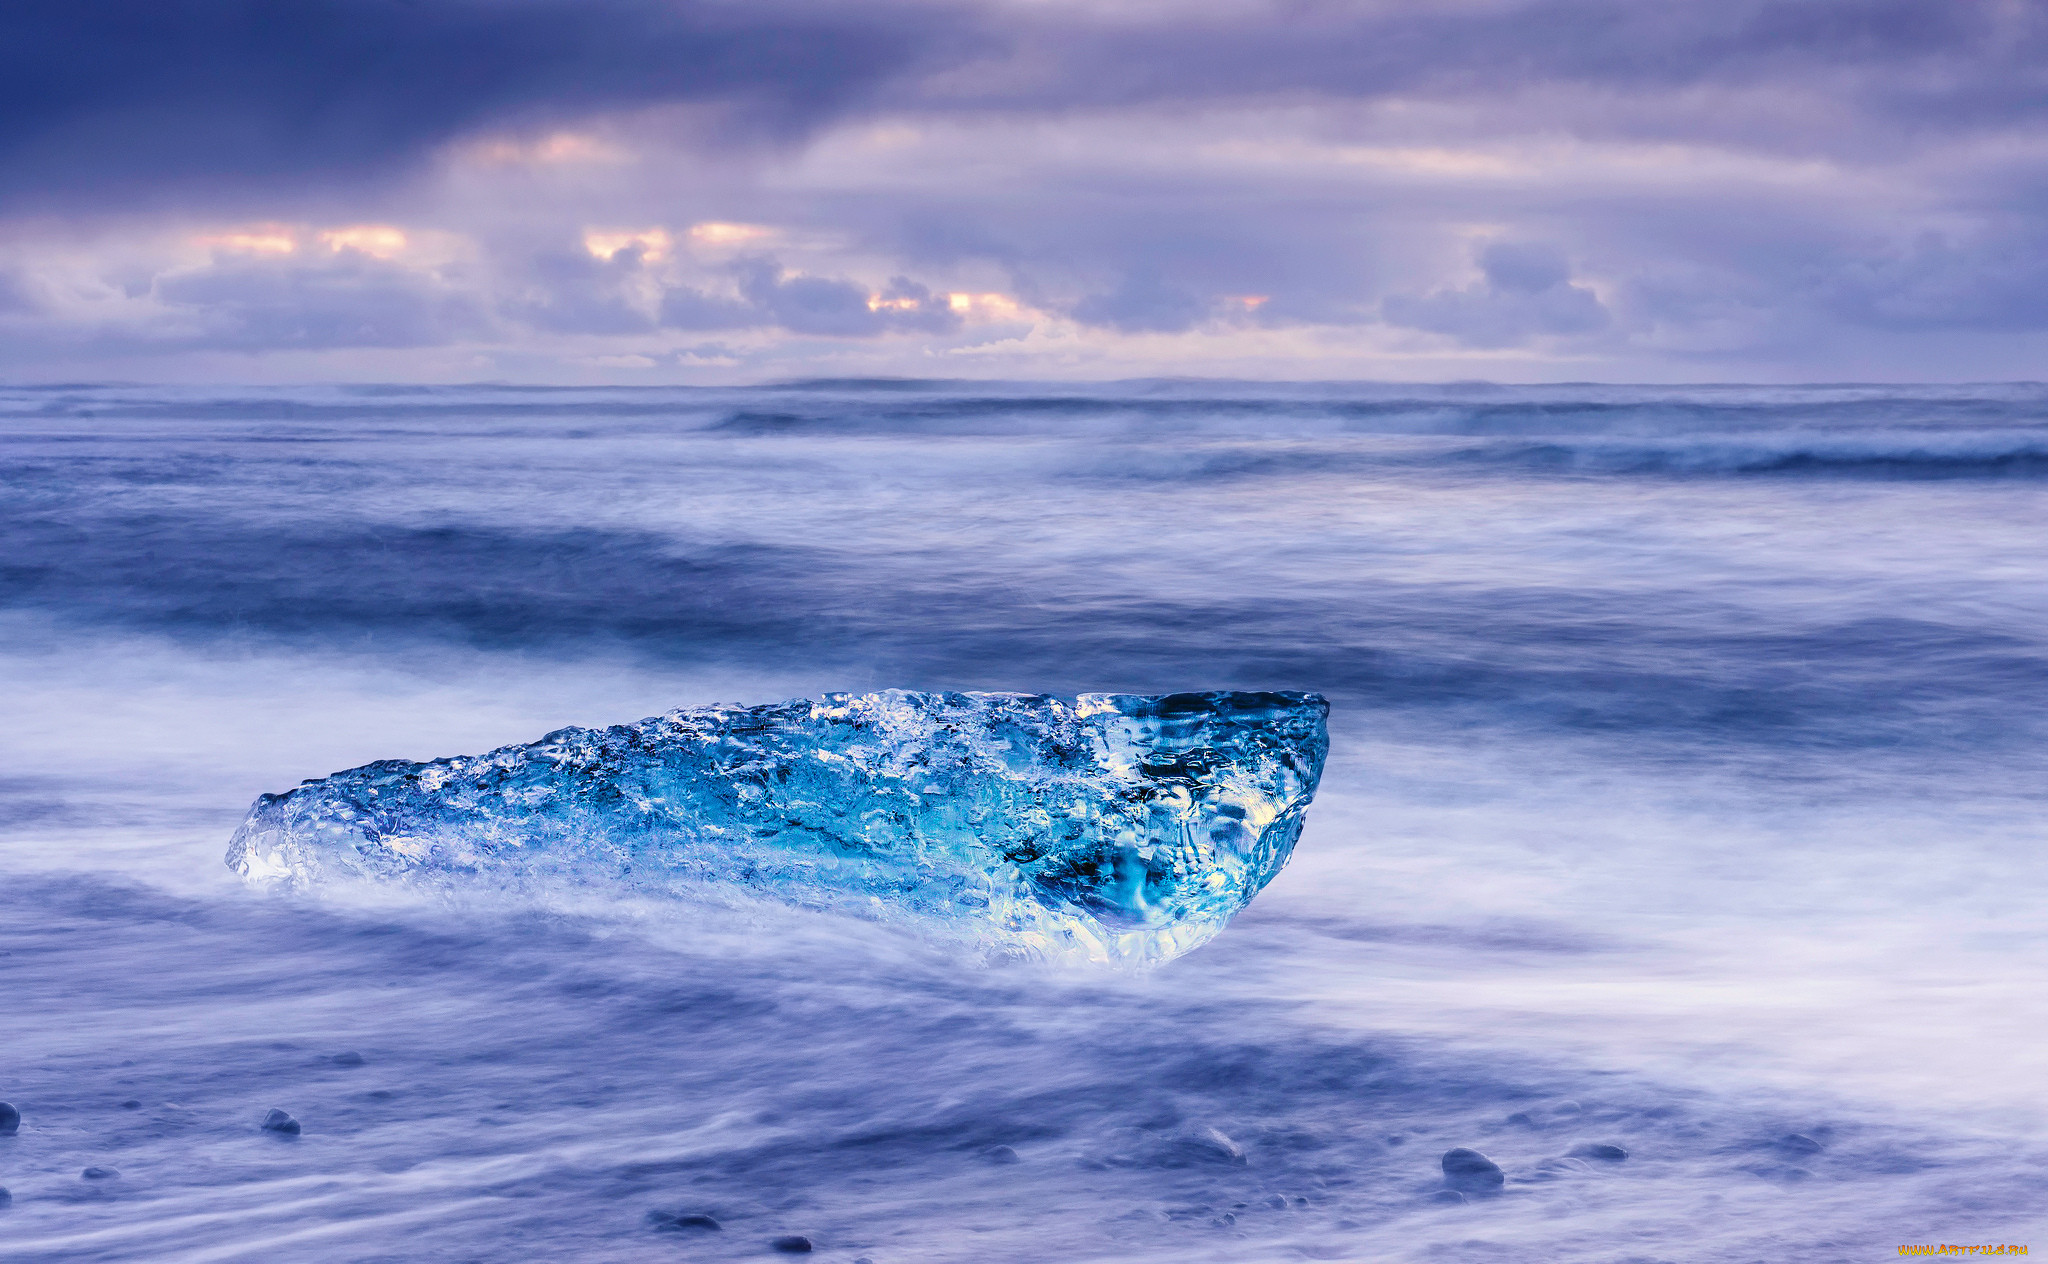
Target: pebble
x=10 y=1118
x=1799 y=1143
x=1447 y=1196
x=100 y=1173
x=131 y=1104
x=1000 y=1154
x=791 y=1244
x=1598 y=1150
x=1472 y=1171
x=349 y=1059
x=6 y=1196
x=692 y=1220
x=279 y=1122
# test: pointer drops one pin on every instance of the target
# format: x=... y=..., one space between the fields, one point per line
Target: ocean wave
x=1905 y=457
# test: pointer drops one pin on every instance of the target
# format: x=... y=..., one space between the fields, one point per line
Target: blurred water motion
x=1684 y=799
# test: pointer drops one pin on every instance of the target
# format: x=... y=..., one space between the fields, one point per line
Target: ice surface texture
x=1116 y=827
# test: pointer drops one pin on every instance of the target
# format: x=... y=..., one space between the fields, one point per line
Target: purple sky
x=638 y=191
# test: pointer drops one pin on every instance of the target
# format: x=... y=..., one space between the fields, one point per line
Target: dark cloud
x=1995 y=281
x=686 y=307
x=1526 y=292
x=1960 y=62
x=130 y=97
x=820 y=306
x=578 y=293
x=351 y=300
x=807 y=304
x=1146 y=301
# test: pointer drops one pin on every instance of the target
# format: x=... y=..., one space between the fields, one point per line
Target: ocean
x=1685 y=804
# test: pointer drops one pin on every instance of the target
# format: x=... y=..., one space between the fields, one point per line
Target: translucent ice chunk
x=1116 y=827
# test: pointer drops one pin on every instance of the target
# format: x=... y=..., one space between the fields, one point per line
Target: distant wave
x=1907 y=458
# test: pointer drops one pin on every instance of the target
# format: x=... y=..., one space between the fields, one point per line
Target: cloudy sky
x=680 y=191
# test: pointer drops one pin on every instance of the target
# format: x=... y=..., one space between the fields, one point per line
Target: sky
x=664 y=191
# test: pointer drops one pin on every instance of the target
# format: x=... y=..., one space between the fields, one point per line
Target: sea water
x=1684 y=804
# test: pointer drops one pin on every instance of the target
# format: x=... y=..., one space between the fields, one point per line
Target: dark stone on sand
x=279 y=1122
x=695 y=1221
x=791 y=1244
x=1472 y=1172
x=1567 y=1107
x=131 y=1104
x=10 y=1118
x=99 y=1173
x=1000 y=1154
x=1210 y=1145
x=1599 y=1150
x=1521 y=1119
x=6 y=1196
x=1799 y=1143
x=1447 y=1196
x=349 y=1059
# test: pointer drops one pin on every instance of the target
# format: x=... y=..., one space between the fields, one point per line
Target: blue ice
x=1114 y=827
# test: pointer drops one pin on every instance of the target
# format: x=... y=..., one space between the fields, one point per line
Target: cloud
x=768 y=296
x=15 y=299
x=349 y=300
x=1932 y=67
x=1768 y=187
x=1993 y=280
x=1526 y=293
x=686 y=307
x=202 y=99
x=1145 y=301
x=149 y=99
x=807 y=304
x=578 y=292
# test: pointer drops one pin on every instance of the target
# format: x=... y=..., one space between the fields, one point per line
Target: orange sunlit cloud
x=654 y=243
x=379 y=240
x=723 y=234
x=1250 y=302
x=985 y=306
x=876 y=303
x=267 y=240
